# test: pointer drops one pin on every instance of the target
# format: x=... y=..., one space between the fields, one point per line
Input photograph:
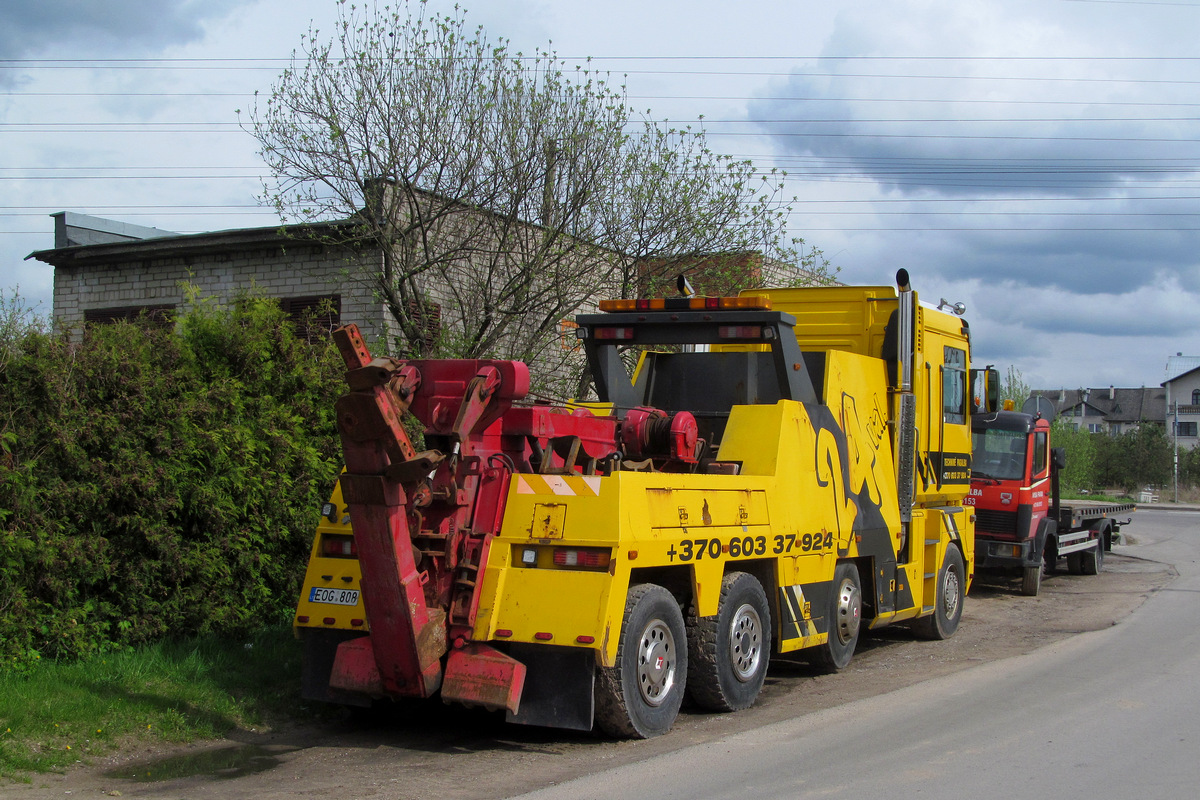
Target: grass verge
x=61 y=713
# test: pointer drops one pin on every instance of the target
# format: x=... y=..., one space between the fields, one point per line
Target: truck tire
x=640 y=696
x=1031 y=580
x=948 y=604
x=845 y=618
x=728 y=653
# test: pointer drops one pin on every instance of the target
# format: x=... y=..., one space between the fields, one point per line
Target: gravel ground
x=428 y=750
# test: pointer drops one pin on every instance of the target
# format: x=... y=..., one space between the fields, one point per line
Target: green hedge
x=159 y=482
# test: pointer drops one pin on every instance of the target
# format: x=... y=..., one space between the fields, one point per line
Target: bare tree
x=502 y=191
x=687 y=209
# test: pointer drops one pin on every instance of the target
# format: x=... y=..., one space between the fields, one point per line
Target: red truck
x=1020 y=525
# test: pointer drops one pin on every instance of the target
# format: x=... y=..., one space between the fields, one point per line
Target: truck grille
x=1002 y=522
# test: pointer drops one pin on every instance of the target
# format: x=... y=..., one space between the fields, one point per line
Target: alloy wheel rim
x=656 y=663
x=745 y=642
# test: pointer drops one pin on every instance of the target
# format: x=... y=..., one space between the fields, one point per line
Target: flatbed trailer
x=1074 y=517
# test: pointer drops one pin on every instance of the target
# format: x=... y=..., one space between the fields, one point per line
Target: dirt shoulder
x=424 y=750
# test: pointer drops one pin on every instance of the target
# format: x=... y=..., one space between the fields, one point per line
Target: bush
x=157 y=482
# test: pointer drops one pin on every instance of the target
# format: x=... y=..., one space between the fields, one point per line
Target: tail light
x=614 y=333
x=740 y=332
x=749 y=302
x=337 y=545
x=582 y=557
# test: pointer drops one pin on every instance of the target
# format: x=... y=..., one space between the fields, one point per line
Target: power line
x=287 y=60
x=138 y=128
x=190 y=211
x=209 y=65
x=676 y=97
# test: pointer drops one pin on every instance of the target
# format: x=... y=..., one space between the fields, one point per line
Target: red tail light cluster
x=582 y=557
x=337 y=545
x=740 y=332
x=614 y=333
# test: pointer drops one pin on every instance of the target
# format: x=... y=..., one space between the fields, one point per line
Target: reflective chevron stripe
x=561 y=485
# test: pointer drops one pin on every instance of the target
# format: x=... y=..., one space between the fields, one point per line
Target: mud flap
x=558 y=687
x=320 y=650
x=478 y=675
x=354 y=668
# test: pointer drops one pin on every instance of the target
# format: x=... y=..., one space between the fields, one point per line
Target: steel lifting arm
x=403 y=654
x=418 y=548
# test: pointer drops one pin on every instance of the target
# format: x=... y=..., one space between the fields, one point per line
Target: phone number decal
x=746 y=546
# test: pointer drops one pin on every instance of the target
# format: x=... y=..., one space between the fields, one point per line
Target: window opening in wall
x=313 y=315
x=428 y=317
x=1196 y=397
x=1185 y=429
x=155 y=316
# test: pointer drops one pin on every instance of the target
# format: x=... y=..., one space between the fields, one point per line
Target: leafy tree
x=1189 y=466
x=502 y=191
x=1134 y=459
x=1080 y=472
x=1013 y=387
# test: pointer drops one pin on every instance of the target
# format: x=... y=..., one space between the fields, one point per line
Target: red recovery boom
x=423 y=521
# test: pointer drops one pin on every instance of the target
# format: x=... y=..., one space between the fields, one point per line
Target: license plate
x=337 y=597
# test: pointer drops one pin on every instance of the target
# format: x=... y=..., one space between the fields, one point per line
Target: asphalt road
x=1113 y=713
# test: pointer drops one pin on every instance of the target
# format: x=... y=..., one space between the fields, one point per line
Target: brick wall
x=297 y=270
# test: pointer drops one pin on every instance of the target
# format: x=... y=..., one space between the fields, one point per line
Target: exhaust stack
x=906 y=444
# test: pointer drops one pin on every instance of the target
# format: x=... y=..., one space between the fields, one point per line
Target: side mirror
x=985 y=390
x=1058 y=457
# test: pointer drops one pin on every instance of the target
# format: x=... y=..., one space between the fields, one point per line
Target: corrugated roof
x=1178 y=365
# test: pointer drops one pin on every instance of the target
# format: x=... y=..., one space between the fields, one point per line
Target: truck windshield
x=998 y=454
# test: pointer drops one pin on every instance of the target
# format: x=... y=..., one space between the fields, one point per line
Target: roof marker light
x=752 y=302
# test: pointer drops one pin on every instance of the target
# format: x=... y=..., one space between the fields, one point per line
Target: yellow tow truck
x=777 y=471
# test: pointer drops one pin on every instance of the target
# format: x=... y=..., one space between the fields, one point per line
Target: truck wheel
x=728 y=653
x=845 y=617
x=1031 y=580
x=948 y=604
x=640 y=696
x=1092 y=561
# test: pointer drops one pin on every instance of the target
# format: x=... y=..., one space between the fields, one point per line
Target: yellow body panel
x=333 y=573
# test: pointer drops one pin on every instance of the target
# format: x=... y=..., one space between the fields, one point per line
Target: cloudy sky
x=1037 y=160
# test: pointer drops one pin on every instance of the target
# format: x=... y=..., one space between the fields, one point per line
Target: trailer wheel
x=1031 y=580
x=845 y=618
x=948 y=603
x=1092 y=561
x=640 y=696
x=728 y=653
